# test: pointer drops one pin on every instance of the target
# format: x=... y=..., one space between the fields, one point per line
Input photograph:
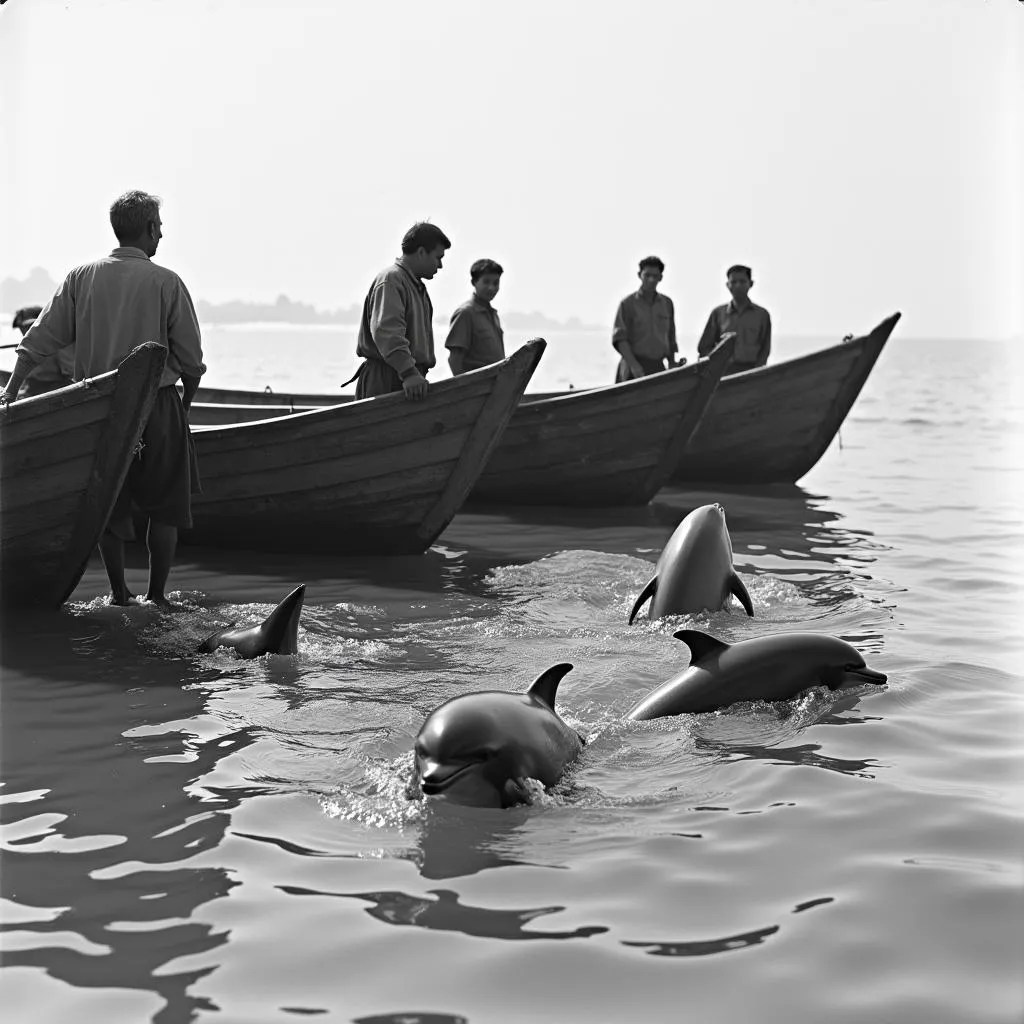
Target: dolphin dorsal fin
x=739 y=591
x=701 y=645
x=545 y=685
x=648 y=591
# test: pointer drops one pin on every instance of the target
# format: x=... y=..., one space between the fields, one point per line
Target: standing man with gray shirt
x=105 y=309
x=750 y=323
x=645 y=326
x=396 y=336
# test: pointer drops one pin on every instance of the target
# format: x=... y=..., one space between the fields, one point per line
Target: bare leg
x=112 y=552
x=161 y=541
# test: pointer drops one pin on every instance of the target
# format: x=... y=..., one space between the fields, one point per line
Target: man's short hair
x=482 y=267
x=424 y=235
x=130 y=213
x=652 y=261
x=738 y=268
x=24 y=314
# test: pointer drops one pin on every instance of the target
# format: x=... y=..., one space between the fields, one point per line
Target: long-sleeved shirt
x=108 y=307
x=476 y=330
x=753 y=328
x=396 y=324
x=648 y=327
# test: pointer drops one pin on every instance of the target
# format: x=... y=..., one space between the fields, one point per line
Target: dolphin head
x=479 y=748
x=843 y=665
x=462 y=753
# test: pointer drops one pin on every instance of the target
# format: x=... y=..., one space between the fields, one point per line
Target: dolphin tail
x=648 y=592
x=280 y=630
x=739 y=591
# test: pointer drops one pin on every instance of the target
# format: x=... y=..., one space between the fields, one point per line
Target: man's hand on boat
x=414 y=386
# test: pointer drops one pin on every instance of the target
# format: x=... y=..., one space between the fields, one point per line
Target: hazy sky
x=863 y=155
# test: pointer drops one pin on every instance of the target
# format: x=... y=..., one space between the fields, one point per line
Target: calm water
x=200 y=838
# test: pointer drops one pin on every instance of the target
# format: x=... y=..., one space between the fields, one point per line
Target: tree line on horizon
x=37 y=288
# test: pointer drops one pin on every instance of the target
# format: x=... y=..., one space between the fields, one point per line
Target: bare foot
x=123 y=599
x=163 y=602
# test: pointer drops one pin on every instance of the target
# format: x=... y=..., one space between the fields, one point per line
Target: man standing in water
x=645 y=326
x=750 y=323
x=105 y=309
x=396 y=337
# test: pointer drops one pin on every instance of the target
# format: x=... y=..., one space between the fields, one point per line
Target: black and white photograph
x=512 y=513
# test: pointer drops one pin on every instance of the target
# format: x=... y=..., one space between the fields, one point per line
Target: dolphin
x=480 y=748
x=277 y=634
x=774 y=667
x=695 y=569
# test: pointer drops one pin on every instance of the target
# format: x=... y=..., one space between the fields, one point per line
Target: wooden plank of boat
x=64 y=457
x=613 y=445
x=379 y=476
x=772 y=424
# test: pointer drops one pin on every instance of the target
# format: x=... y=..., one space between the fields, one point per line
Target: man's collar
x=132 y=251
x=401 y=262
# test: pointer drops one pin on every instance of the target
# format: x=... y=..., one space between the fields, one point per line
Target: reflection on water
x=707 y=947
x=445 y=913
x=162 y=811
x=453 y=842
x=806 y=754
x=102 y=809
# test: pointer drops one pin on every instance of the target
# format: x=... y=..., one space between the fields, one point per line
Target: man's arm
x=53 y=330
x=766 y=341
x=460 y=337
x=189 y=385
x=673 y=347
x=620 y=340
x=184 y=343
x=711 y=336
x=388 y=330
x=22 y=368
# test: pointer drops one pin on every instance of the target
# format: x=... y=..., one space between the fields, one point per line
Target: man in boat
x=396 y=339
x=475 y=337
x=105 y=309
x=57 y=371
x=645 y=326
x=749 y=322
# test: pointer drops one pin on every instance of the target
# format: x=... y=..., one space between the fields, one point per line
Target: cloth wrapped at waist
x=376 y=377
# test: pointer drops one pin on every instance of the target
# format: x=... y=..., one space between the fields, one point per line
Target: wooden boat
x=772 y=424
x=64 y=457
x=379 y=476
x=613 y=445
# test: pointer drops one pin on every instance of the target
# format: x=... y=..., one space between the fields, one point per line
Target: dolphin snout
x=435 y=776
x=868 y=675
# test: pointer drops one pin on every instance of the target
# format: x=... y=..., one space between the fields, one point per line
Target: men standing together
x=645 y=332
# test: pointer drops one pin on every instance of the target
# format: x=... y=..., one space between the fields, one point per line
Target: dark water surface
x=200 y=838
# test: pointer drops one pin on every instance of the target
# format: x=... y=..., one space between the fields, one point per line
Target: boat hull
x=615 y=445
x=379 y=476
x=64 y=457
x=772 y=425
